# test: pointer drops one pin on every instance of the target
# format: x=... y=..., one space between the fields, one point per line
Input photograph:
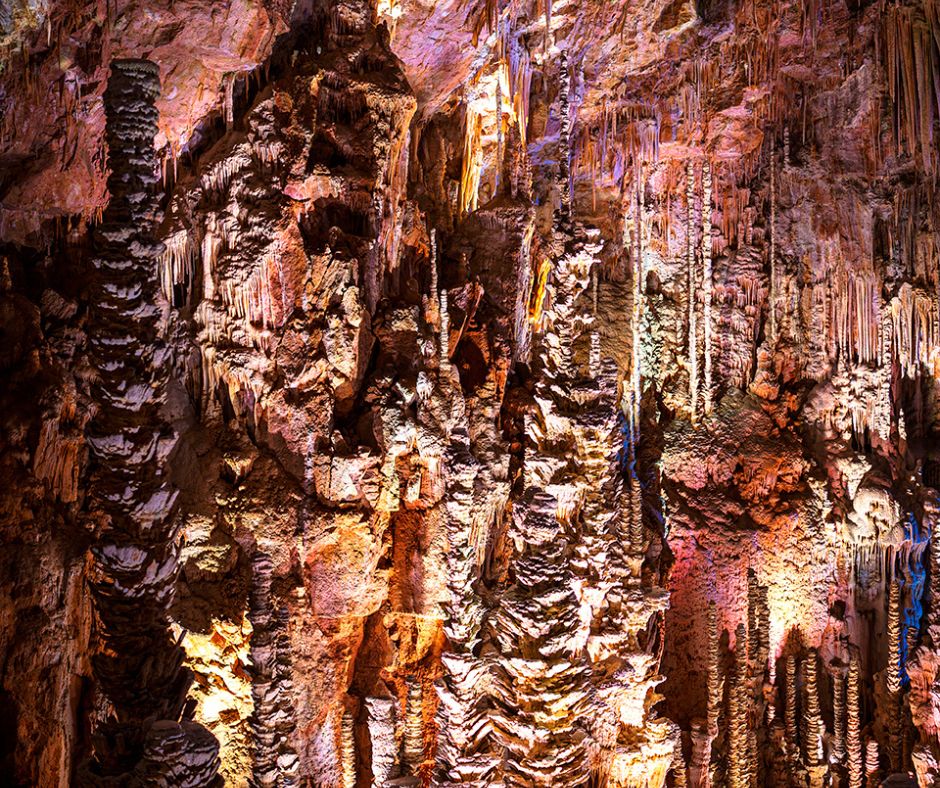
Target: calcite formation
x=133 y=560
x=470 y=393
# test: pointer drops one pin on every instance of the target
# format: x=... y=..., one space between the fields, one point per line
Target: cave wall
x=469 y=393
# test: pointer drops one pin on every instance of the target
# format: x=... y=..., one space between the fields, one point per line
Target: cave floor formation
x=505 y=393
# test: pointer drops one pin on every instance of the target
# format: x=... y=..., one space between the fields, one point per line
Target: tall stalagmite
x=134 y=559
x=853 y=737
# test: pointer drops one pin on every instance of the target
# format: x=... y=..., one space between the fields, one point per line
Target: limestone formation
x=469 y=393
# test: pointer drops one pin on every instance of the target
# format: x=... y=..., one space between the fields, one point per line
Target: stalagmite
x=707 y=280
x=594 y=352
x=871 y=764
x=893 y=677
x=348 y=750
x=714 y=688
x=838 y=717
x=384 y=748
x=554 y=677
x=813 y=724
x=738 y=746
x=853 y=738
x=433 y=263
x=445 y=332
x=678 y=773
x=637 y=531
x=790 y=710
x=137 y=660
x=464 y=715
x=753 y=605
x=413 y=747
x=893 y=669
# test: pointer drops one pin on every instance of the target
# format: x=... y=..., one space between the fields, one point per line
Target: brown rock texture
x=469 y=392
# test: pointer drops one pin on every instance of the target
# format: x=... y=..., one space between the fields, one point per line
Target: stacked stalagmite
x=133 y=568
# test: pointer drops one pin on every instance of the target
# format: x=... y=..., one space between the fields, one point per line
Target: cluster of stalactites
x=133 y=569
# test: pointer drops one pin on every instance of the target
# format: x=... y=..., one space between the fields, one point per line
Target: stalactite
x=772 y=298
x=228 y=101
x=564 y=137
x=499 y=133
x=853 y=739
x=916 y=343
x=636 y=316
x=692 y=291
x=707 y=279
x=471 y=162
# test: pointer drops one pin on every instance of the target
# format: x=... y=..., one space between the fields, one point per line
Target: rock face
x=469 y=393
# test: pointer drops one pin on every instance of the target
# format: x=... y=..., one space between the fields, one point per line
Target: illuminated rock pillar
x=854 y=726
x=137 y=661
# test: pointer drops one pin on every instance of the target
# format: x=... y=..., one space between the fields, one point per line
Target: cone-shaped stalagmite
x=738 y=745
x=812 y=719
x=838 y=716
x=348 y=750
x=792 y=723
x=715 y=684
